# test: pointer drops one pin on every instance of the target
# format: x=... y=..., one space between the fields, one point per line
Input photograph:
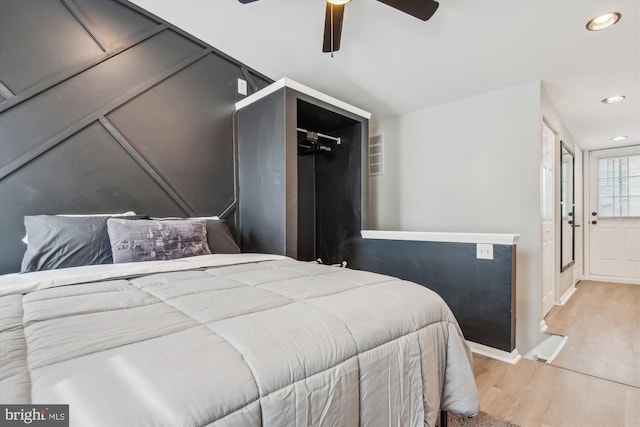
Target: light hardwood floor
x=603 y=319
x=602 y=323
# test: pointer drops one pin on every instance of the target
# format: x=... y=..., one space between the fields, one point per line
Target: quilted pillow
x=149 y=240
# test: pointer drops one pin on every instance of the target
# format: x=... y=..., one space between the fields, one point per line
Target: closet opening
x=329 y=182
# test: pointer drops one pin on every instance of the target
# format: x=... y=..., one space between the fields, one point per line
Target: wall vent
x=376 y=155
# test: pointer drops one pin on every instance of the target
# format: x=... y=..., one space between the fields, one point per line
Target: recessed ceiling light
x=613 y=99
x=603 y=21
x=619 y=138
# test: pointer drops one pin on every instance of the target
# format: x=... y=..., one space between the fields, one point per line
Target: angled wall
x=104 y=108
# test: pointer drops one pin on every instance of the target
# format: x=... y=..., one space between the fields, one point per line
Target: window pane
x=622 y=186
x=606 y=188
x=605 y=207
x=620 y=206
x=603 y=168
x=619 y=186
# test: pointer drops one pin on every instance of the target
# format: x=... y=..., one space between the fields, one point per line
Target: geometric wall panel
x=32 y=122
x=180 y=128
x=58 y=42
x=259 y=81
x=114 y=23
x=88 y=173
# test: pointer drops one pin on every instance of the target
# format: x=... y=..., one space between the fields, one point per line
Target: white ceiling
x=391 y=63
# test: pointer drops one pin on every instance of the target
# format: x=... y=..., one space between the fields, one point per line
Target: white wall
x=550 y=115
x=471 y=165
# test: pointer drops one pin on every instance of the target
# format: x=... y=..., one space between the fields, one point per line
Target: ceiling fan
x=421 y=9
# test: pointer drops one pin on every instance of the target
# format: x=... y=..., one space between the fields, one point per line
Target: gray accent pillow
x=220 y=239
x=59 y=242
x=150 y=240
x=219 y=236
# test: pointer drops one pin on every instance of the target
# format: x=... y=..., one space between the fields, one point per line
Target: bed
x=231 y=340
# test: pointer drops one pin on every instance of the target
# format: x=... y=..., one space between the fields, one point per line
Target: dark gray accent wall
x=104 y=108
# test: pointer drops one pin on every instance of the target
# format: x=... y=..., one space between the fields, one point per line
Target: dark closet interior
x=300 y=174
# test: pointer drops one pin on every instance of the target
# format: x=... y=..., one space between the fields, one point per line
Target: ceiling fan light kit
x=334 y=14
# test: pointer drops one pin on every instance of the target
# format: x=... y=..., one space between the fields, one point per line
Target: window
x=619 y=186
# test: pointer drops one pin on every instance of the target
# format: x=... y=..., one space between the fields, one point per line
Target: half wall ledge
x=478 y=286
x=425 y=236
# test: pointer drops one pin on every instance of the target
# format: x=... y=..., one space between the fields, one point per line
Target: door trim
x=586 y=202
x=554 y=199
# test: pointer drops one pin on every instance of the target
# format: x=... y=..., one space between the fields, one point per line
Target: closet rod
x=322 y=135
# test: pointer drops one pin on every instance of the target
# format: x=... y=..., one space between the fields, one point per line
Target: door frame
x=586 y=213
x=555 y=206
x=580 y=207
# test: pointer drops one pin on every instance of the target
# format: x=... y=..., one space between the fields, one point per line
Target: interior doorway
x=613 y=215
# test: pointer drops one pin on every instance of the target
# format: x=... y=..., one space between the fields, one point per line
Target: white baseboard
x=627 y=281
x=543 y=326
x=565 y=297
x=494 y=353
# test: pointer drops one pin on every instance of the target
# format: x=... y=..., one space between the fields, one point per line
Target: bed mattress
x=232 y=340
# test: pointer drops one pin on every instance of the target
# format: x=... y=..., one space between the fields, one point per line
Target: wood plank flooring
x=534 y=394
x=602 y=323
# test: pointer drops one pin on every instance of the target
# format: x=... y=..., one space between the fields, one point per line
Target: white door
x=548 y=220
x=614 y=215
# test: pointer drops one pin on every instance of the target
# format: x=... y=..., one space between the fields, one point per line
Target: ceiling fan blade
x=421 y=9
x=335 y=29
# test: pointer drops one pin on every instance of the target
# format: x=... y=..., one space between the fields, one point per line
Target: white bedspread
x=241 y=340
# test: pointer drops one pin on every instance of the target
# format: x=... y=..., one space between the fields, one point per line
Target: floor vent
x=376 y=155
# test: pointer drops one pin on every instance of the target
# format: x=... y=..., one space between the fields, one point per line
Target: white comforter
x=243 y=340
